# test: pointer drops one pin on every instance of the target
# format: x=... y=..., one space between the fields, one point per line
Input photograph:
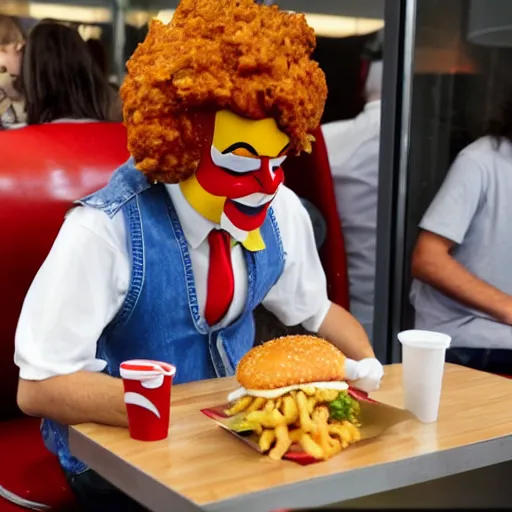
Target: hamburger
x=294 y=395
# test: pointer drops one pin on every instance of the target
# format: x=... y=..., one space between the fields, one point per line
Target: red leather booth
x=43 y=169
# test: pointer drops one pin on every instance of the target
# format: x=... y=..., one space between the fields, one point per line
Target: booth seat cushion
x=28 y=469
x=43 y=169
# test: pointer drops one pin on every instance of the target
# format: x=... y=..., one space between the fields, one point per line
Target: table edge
x=353 y=484
x=317 y=491
x=113 y=468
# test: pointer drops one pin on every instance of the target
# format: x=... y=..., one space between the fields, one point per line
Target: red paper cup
x=147 y=395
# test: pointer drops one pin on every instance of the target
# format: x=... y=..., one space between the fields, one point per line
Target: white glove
x=365 y=374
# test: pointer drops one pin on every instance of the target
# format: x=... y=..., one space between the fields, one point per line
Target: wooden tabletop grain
x=208 y=468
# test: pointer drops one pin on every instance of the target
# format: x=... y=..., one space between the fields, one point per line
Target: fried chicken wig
x=225 y=54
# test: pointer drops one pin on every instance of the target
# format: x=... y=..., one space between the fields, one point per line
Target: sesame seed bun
x=291 y=360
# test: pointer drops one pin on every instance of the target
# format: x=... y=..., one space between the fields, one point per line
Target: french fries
x=283 y=443
x=300 y=417
x=267 y=438
x=256 y=404
x=240 y=405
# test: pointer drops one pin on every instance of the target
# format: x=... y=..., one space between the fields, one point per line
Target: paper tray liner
x=375 y=418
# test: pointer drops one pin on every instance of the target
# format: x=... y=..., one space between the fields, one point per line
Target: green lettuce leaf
x=344 y=408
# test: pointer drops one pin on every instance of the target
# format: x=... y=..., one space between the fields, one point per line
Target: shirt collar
x=195 y=227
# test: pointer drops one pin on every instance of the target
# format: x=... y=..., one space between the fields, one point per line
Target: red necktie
x=221 y=282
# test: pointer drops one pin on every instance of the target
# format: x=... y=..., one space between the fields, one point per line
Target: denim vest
x=160 y=318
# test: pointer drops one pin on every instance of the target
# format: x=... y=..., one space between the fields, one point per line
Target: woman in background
x=12 y=112
x=99 y=54
x=60 y=79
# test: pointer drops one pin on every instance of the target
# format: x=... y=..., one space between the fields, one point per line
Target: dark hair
x=499 y=125
x=99 y=54
x=60 y=78
x=10 y=31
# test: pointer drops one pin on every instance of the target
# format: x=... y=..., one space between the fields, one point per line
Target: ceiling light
x=72 y=13
x=165 y=16
x=58 y=12
x=326 y=25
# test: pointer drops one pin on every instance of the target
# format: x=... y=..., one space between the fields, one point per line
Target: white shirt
x=353 y=149
x=84 y=280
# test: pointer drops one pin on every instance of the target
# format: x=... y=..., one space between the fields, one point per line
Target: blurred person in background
x=12 y=113
x=461 y=262
x=353 y=150
x=99 y=54
x=60 y=79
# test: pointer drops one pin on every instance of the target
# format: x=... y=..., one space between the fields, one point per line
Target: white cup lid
x=424 y=339
x=144 y=369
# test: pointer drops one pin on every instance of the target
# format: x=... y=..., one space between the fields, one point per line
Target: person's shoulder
x=337 y=128
x=86 y=217
x=485 y=148
x=332 y=134
x=97 y=223
x=481 y=145
x=346 y=139
x=487 y=153
x=364 y=125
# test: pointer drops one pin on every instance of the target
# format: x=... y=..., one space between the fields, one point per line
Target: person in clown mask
x=169 y=260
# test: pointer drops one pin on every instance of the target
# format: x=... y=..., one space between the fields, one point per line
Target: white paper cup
x=423 y=356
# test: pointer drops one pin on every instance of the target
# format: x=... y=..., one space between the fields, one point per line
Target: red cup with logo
x=147 y=395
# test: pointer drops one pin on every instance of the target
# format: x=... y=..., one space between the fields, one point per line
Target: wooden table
x=202 y=467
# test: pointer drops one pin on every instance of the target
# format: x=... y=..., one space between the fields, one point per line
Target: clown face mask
x=239 y=174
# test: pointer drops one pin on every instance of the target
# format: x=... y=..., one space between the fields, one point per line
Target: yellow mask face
x=243 y=163
x=263 y=136
x=208 y=205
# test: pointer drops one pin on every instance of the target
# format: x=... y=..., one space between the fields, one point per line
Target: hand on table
x=365 y=374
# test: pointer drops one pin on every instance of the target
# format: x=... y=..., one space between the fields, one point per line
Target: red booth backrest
x=43 y=170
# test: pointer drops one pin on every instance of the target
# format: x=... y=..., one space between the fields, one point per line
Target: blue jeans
x=487 y=360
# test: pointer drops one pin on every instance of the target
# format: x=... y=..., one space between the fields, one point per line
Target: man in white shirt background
x=170 y=259
x=353 y=149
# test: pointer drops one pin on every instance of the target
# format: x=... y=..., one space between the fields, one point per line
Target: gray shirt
x=353 y=149
x=473 y=208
